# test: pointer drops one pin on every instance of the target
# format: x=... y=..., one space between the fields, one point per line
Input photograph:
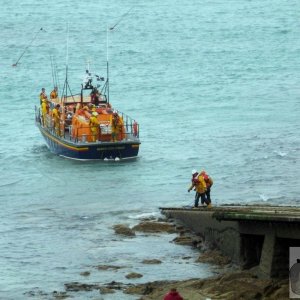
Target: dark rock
x=35 y=293
x=183 y=240
x=77 y=286
x=105 y=290
x=133 y=275
x=85 y=273
x=114 y=285
x=123 y=230
x=60 y=295
x=180 y=228
x=108 y=267
x=151 y=261
x=154 y=227
x=214 y=257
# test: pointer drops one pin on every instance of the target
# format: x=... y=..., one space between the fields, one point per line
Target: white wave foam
x=281 y=154
x=144 y=215
x=263 y=197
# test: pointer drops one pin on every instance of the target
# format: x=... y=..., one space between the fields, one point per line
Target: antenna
x=67 y=56
x=29 y=44
x=111 y=29
x=66 y=84
x=52 y=70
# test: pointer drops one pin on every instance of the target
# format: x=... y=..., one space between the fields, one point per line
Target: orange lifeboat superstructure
x=81 y=130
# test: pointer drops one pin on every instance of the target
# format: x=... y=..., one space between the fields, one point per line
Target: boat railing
x=129 y=130
x=105 y=133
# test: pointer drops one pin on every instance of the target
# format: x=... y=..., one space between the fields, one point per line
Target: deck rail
x=130 y=130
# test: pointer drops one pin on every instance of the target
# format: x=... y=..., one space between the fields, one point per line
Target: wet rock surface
x=123 y=230
x=214 y=257
x=105 y=290
x=229 y=285
x=60 y=295
x=115 y=285
x=151 y=261
x=85 y=273
x=133 y=275
x=155 y=227
x=107 y=267
x=77 y=287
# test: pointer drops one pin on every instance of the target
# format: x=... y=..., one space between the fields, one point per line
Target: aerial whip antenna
x=56 y=74
x=107 y=66
x=52 y=69
x=121 y=18
x=29 y=44
x=111 y=29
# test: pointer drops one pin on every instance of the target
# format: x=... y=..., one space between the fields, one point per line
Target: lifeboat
x=85 y=126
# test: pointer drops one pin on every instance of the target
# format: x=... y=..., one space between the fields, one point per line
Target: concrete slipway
x=250 y=235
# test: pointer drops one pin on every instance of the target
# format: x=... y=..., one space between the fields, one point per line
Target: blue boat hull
x=90 y=151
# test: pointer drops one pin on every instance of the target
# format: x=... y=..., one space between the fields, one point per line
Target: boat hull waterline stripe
x=63 y=144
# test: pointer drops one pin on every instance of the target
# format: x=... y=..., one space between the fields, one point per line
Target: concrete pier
x=250 y=235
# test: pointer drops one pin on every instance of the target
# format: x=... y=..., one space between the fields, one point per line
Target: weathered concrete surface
x=216 y=233
x=249 y=235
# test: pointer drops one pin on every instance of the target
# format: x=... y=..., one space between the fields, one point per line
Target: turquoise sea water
x=215 y=85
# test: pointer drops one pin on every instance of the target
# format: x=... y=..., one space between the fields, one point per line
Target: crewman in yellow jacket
x=116 y=125
x=44 y=111
x=94 y=125
x=56 y=118
x=198 y=183
x=43 y=95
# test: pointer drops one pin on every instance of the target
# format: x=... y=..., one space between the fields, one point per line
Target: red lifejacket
x=195 y=179
x=135 y=128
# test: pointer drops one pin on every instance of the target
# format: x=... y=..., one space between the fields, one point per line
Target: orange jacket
x=53 y=94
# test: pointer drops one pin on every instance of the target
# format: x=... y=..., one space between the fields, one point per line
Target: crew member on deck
x=56 y=118
x=94 y=125
x=43 y=95
x=87 y=81
x=95 y=96
x=115 y=126
x=54 y=94
x=44 y=111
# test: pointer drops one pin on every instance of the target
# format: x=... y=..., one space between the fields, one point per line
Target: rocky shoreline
x=230 y=283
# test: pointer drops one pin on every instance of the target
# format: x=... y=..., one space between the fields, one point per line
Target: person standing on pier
x=209 y=182
x=199 y=185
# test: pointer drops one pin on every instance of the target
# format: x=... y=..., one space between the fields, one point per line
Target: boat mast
x=67 y=61
x=107 y=65
x=66 y=84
